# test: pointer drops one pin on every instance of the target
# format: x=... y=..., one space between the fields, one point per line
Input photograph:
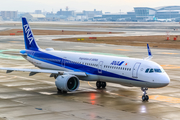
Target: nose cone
x=161 y=80
x=165 y=80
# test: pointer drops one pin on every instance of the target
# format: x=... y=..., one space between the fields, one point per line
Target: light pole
x=120 y=13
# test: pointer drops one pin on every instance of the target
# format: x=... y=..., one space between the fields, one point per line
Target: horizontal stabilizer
x=17 y=54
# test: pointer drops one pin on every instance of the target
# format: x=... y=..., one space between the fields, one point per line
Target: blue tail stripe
x=29 y=39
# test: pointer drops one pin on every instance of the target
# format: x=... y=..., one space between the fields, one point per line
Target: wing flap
x=35 y=71
x=32 y=73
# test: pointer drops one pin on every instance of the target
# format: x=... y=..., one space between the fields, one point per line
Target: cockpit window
x=158 y=70
x=147 y=70
x=151 y=70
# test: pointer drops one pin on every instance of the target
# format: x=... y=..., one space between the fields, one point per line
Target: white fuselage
x=121 y=70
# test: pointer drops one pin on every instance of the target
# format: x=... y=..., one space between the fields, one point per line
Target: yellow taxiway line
x=152 y=97
x=123 y=49
x=170 y=66
x=169 y=53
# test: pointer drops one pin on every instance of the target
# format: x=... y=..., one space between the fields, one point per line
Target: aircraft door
x=63 y=62
x=135 y=70
x=100 y=66
x=31 y=58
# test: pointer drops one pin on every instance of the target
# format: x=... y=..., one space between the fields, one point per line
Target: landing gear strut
x=145 y=97
x=61 y=91
x=100 y=84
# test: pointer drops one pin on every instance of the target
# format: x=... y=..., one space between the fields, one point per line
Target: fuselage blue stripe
x=54 y=60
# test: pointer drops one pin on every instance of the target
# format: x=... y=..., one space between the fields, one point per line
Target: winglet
x=149 y=53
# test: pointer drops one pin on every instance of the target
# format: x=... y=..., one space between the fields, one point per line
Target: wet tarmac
x=26 y=98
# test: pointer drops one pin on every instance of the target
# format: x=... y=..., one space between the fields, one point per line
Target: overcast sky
x=113 y=6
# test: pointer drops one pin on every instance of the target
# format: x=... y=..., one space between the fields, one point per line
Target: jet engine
x=67 y=83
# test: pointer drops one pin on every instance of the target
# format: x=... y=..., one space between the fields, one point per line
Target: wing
x=52 y=72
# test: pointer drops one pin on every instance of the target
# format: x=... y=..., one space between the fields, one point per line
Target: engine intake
x=67 y=83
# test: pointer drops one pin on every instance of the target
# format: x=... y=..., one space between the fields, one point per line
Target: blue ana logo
x=118 y=63
x=28 y=33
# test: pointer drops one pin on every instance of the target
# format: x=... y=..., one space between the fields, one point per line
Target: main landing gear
x=145 y=97
x=61 y=91
x=100 y=84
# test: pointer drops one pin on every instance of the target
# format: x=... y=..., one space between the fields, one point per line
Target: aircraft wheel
x=59 y=91
x=64 y=92
x=98 y=84
x=103 y=84
x=145 y=98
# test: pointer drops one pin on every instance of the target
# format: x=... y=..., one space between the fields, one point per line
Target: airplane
x=68 y=67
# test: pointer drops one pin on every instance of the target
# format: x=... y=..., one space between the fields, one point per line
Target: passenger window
x=147 y=70
x=151 y=70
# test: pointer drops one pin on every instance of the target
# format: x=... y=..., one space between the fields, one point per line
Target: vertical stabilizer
x=29 y=39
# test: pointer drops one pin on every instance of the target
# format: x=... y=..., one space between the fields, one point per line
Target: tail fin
x=29 y=39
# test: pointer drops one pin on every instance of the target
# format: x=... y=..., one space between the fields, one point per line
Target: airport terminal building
x=139 y=14
x=168 y=12
x=146 y=14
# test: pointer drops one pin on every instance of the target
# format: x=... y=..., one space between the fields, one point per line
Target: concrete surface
x=26 y=98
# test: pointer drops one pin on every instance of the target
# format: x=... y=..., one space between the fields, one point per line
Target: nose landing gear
x=100 y=84
x=145 y=97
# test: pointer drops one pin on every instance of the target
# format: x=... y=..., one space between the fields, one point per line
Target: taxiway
x=23 y=97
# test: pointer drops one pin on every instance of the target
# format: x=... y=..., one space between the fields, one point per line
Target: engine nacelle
x=67 y=83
